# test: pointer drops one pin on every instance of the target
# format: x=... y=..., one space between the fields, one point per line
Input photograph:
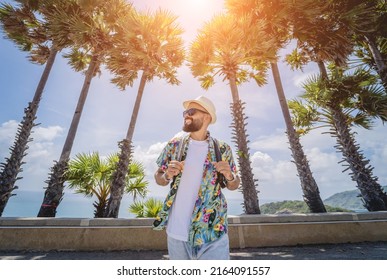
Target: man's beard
x=194 y=126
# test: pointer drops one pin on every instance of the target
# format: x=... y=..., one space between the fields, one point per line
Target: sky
x=107 y=112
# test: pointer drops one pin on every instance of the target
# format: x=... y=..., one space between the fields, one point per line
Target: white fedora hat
x=205 y=103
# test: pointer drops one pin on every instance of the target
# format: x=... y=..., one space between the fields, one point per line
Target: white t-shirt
x=181 y=211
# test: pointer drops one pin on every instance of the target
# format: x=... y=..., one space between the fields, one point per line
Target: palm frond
x=21 y=26
x=137 y=208
x=360 y=119
x=206 y=81
x=231 y=47
x=146 y=209
x=304 y=115
x=151 y=42
x=78 y=59
x=153 y=207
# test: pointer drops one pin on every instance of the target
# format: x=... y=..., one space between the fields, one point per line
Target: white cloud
x=148 y=157
x=277 y=174
x=260 y=157
x=274 y=143
x=7 y=133
x=277 y=178
x=320 y=160
x=156 y=148
x=39 y=134
x=47 y=134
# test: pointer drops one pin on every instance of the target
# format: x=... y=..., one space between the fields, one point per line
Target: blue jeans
x=215 y=250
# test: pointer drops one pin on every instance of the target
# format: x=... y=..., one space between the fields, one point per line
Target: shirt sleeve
x=167 y=154
x=163 y=159
x=228 y=156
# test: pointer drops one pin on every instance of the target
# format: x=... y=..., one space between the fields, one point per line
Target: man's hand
x=174 y=168
x=232 y=179
x=224 y=168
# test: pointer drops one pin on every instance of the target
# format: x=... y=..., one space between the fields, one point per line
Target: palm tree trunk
x=374 y=199
x=249 y=185
x=101 y=203
x=308 y=184
x=118 y=181
x=54 y=191
x=12 y=166
x=78 y=111
x=381 y=66
x=100 y=207
x=323 y=70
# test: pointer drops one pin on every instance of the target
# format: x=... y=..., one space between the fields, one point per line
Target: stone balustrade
x=136 y=234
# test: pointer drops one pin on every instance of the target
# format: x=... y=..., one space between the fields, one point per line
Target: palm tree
x=91 y=175
x=339 y=29
x=308 y=184
x=146 y=209
x=320 y=38
x=150 y=43
x=376 y=41
x=276 y=27
x=365 y=21
x=89 y=25
x=226 y=46
x=333 y=42
x=339 y=101
x=21 y=25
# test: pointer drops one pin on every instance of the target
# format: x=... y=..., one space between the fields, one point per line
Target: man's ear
x=208 y=116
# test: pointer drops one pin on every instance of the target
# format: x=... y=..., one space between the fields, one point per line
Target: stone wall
x=136 y=234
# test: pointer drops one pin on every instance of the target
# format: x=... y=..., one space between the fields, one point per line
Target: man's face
x=194 y=119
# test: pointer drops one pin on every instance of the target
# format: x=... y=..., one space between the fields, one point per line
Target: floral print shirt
x=209 y=216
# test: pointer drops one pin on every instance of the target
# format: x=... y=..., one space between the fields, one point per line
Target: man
x=195 y=210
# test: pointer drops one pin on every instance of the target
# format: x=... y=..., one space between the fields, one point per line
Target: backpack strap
x=217 y=151
x=181 y=148
x=220 y=177
x=180 y=153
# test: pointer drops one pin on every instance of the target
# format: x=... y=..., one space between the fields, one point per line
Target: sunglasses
x=192 y=111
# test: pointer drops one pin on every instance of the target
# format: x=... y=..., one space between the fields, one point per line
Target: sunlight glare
x=200 y=3
x=191 y=14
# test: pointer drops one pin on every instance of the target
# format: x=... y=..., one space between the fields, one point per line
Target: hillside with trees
x=293 y=206
x=340 y=202
x=347 y=199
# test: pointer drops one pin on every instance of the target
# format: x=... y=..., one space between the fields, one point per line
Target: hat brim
x=204 y=105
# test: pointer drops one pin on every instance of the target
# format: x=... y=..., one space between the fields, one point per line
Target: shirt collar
x=208 y=137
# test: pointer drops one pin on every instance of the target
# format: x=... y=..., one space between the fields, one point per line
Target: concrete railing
x=136 y=234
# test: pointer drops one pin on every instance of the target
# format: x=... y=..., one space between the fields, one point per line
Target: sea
x=27 y=204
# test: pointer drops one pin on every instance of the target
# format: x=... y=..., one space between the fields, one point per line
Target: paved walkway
x=355 y=251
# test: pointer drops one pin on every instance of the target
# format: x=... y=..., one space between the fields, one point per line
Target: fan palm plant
x=147 y=43
x=89 y=25
x=24 y=26
x=89 y=174
x=277 y=28
x=146 y=209
x=340 y=101
x=225 y=46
